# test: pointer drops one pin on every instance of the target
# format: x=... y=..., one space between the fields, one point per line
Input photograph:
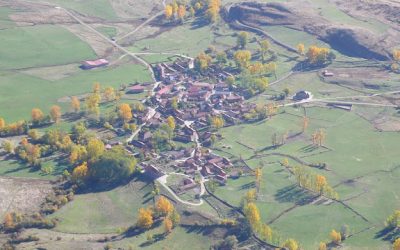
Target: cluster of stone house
x=209 y=165
x=197 y=102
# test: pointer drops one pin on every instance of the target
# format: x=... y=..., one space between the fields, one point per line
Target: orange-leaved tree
x=163 y=206
x=75 y=104
x=55 y=113
x=125 y=112
x=145 y=218
x=37 y=115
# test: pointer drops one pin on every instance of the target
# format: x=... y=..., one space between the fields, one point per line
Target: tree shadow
x=248 y=185
x=200 y=229
x=388 y=234
x=199 y=22
x=95 y=187
x=308 y=148
x=156 y=238
x=294 y=194
x=135 y=231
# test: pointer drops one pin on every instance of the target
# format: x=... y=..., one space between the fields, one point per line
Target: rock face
x=348 y=40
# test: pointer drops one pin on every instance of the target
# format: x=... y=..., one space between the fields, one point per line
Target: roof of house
x=136 y=87
x=97 y=62
x=165 y=90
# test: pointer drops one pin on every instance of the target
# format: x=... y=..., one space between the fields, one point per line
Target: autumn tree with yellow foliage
x=242 y=58
x=8 y=221
x=320 y=182
x=163 y=206
x=109 y=94
x=318 y=137
x=145 y=218
x=168 y=225
x=181 y=12
x=217 y=122
x=258 y=175
x=291 y=244
x=125 y=112
x=252 y=215
x=80 y=172
x=95 y=148
x=264 y=47
x=75 y=104
x=396 y=55
x=335 y=236
x=37 y=115
x=319 y=55
x=2 y=123
x=92 y=103
x=168 y=12
x=322 y=246
x=214 y=6
x=396 y=244
x=171 y=122
x=202 y=62
x=300 y=49
x=78 y=153
x=314 y=182
x=55 y=113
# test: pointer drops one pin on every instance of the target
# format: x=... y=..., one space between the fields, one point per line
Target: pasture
x=38 y=46
x=362 y=167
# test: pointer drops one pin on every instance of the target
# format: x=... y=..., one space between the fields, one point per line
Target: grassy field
x=104 y=212
x=5 y=21
x=180 y=238
x=44 y=45
x=97 y=8
x=356 y=150
x=189 y=39
x=35 y=92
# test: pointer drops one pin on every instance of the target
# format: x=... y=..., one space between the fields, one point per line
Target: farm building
x=135 y=89
x=94 y=64
x=326 y=73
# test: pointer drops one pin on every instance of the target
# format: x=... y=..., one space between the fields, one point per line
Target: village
x=198 y=107
x=193 y=104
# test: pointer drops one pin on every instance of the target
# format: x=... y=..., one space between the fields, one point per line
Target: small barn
x=94 y=64
x=135 y=89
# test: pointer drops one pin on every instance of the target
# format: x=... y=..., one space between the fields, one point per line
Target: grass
x=334 y=14
x=179 y=238
x=187 y=39
x=35 y=92
x=44 y=45
x=110 y=32
x=5 y=21
x=104 y=212
x=97 y=8
x=356 y=150
x=15 y=168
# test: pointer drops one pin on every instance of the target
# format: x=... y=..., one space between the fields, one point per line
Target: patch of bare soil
x=387 y=11
x=32 y=14
x=387 y=123
x=22 y=195
x=41 y=13
x=358 y=77
x=49 y=239
x=300 y=15
x=360 y=73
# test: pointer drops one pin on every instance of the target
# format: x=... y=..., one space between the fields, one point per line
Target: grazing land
x=129 y=124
